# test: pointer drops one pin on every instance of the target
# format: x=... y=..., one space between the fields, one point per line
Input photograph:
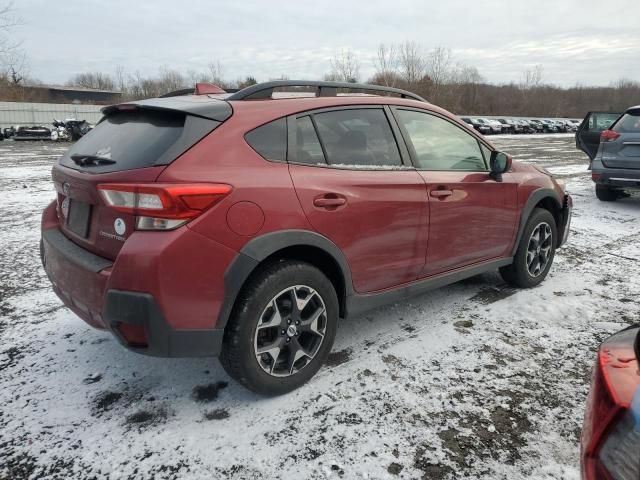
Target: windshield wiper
x=85 y=160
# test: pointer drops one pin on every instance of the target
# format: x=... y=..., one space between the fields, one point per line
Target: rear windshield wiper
x=85 y=160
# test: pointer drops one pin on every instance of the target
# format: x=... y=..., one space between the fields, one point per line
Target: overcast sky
x=577 y=41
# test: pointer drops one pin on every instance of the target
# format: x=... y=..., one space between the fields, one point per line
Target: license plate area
x=79 y=216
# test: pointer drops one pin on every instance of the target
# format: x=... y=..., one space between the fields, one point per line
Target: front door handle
x=329 y=201
x=441 y=193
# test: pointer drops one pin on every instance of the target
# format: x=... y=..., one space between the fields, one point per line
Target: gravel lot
x=475 y=380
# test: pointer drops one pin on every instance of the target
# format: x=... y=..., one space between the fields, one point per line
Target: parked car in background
x=548 y=126
x=32 y=133
x=494 y=126
x=9 y=132
x=259 y=214
x=508 y=126
x=610 y=441
x=527 y=126
x=537 y=124
x=480 y=127
x=615 y=165
x=560 y=126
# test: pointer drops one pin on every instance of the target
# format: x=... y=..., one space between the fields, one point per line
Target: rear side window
x=270 y=140
x=359 y=137
x=629 y=123
x=137 y=139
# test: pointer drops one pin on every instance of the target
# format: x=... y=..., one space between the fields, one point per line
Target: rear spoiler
x=198 y=105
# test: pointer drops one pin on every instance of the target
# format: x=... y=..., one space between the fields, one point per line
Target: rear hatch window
x=628 y=123
x=138 y=138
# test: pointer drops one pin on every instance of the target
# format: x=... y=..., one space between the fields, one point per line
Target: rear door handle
x=329 y=201
x=441 y=193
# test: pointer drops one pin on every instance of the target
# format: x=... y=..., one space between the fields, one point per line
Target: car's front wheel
x=282 y=328
x=535 y=252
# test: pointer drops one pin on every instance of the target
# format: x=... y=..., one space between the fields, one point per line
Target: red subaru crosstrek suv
x=245 y=226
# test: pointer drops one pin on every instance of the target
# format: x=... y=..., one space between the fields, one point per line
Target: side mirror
x=498 y=164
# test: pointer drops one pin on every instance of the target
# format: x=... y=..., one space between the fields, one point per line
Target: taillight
x=160 y=206
x=595 y=176
x=609 y=136
x=611 y=432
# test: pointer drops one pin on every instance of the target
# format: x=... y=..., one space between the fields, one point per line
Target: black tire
x=518 y=273
x=238 y=356
x=605 y=194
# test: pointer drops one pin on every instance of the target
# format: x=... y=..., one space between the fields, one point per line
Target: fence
x=18 y=113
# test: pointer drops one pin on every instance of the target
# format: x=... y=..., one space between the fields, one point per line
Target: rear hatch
x=623 y=150
x=133 y=143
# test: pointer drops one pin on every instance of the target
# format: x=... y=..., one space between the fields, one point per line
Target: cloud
x=501 y=38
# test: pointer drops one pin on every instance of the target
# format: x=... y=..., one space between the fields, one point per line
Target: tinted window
x=629 y=123
x=308 y=149
x=132 y=139
x=270 y=140
x=440 y=145
x=360 y=137
x=601 y=121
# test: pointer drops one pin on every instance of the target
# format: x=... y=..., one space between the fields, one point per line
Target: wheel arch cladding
x=541 y=198
x=289 y=244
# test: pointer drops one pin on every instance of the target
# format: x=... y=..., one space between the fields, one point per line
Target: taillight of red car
x=611 y=431
x=609 y=136
x=162 y=206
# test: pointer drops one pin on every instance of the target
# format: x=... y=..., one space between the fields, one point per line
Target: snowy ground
x=475 y=380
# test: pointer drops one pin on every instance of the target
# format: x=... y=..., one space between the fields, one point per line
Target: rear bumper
x=624 y=179
x=167 y=289
x=133 y=309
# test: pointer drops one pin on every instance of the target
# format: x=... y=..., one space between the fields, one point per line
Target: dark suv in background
x=612 y=142
x=246 y=226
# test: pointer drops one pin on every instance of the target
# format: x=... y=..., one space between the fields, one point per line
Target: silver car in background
x=615 y=163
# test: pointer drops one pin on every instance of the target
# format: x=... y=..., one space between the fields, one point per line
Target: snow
x=475 y=380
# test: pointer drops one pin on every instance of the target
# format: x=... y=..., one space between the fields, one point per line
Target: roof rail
x=201 y=88
x=177 y=93
x=324 y=89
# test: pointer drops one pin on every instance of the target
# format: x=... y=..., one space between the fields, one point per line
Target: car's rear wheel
x=282 y=328
x=535 y=253
x=606 y=194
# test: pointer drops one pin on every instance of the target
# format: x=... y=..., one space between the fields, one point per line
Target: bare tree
x=97 y=80
x=120 y=79
x=386 y=64
x=412 y=63
x=532 y=78
x=345 y=67
x=7 y=21
x=439 y=65
x=216 y=75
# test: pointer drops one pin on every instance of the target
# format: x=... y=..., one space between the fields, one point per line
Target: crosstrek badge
x=119 y=226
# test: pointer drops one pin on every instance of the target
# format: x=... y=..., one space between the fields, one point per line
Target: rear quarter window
x=270 y=140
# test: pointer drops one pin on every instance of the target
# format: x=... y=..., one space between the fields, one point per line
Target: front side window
x=359 y=137
x=308 y=148
x=440 y=145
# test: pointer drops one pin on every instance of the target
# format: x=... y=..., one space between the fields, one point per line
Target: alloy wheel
x=539 y=249
x=290 y=331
